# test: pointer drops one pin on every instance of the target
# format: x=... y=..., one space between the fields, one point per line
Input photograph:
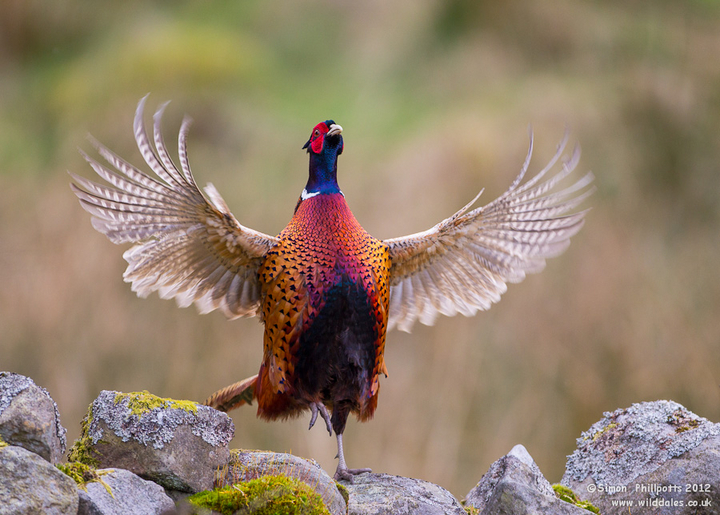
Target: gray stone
x=383 y=494
x=177 y=444
x=183 y=506
x=29 y=417
x=31 y=485
x=130 y=494
x=656 y=455
x=514 y=485
x=247 y=465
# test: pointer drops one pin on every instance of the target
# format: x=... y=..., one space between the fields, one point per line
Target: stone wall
x=140 y=454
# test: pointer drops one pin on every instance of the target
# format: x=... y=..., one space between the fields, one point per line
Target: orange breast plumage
x=325 y=296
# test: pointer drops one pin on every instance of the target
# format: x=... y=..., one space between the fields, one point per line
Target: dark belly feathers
x=336 y=355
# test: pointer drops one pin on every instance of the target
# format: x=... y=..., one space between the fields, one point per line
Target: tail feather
x=234 y=396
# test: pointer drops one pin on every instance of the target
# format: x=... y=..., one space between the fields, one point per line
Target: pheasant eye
x=317 y=133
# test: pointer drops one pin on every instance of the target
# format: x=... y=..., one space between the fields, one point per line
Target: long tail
x=233 y=396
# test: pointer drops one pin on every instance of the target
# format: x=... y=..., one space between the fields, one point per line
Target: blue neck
x=323 y=172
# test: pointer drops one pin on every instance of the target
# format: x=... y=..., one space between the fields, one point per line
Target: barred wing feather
x=187 y=247
x=464 y=263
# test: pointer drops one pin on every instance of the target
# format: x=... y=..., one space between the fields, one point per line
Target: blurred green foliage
x=435 y=98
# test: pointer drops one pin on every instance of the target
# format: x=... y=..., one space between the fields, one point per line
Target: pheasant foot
x=319 y=407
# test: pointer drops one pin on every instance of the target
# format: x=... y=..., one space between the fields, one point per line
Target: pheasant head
x=324 y=146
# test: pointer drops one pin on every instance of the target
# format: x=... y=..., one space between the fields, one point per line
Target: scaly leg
x=316 y=407
x=343 y=472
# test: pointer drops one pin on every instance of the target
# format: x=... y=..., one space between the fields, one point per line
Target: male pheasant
x=326 y=290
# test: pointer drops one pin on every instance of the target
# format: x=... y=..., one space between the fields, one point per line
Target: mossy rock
x=178 y=444
x=566 y=494
x=249 y=465
x=81 y=450
x=267 y=495
x=83 y=474
x=140 y=403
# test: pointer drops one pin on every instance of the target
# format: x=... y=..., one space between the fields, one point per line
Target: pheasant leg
x=343 y=472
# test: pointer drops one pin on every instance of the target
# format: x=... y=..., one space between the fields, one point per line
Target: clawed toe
x=348 y=475
x=319 y=407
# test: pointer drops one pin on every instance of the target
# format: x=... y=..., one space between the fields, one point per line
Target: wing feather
x=463 y=264
x=186 y=247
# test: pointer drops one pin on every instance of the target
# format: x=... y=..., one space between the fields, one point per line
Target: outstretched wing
x=187 y=247
x=462 y=264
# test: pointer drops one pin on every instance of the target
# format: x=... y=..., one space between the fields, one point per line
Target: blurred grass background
x=435 y=98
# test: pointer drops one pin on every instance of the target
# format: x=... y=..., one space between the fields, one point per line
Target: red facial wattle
x=318 y=137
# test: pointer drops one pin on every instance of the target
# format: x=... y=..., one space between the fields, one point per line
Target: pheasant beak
x=335 y=130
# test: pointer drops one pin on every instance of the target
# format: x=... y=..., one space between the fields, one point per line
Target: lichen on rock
x=140 y=403
x=656 y=455
x=630 y=442
x=178 y=444
x=151 y=420
x=515 y=484
x=29 y=417
x=384 y=494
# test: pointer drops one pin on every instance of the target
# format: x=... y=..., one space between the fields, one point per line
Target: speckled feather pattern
x=322 y=245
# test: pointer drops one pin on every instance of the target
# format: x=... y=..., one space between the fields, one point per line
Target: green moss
x=3 y=443
x=344 y=492
x=267 y=495
x=83 y=474
x=79 y=472
x=144 y=402
x=139 y=403
x=566 y=494
x=611 y=425
x=470 y=510
x=692 y=424
x=82 y=450
x=245 y=465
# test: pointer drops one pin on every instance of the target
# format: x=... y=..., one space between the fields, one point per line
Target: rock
x=130 y=494
x=514 y=485
x=266 y=495
x=653 y=455
x=29 y=417
x=182 y=505
x=31 y=485
x=383 y=494
x=247 y=465
x=177 y=444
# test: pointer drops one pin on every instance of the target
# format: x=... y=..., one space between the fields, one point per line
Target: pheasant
x=325 y=289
